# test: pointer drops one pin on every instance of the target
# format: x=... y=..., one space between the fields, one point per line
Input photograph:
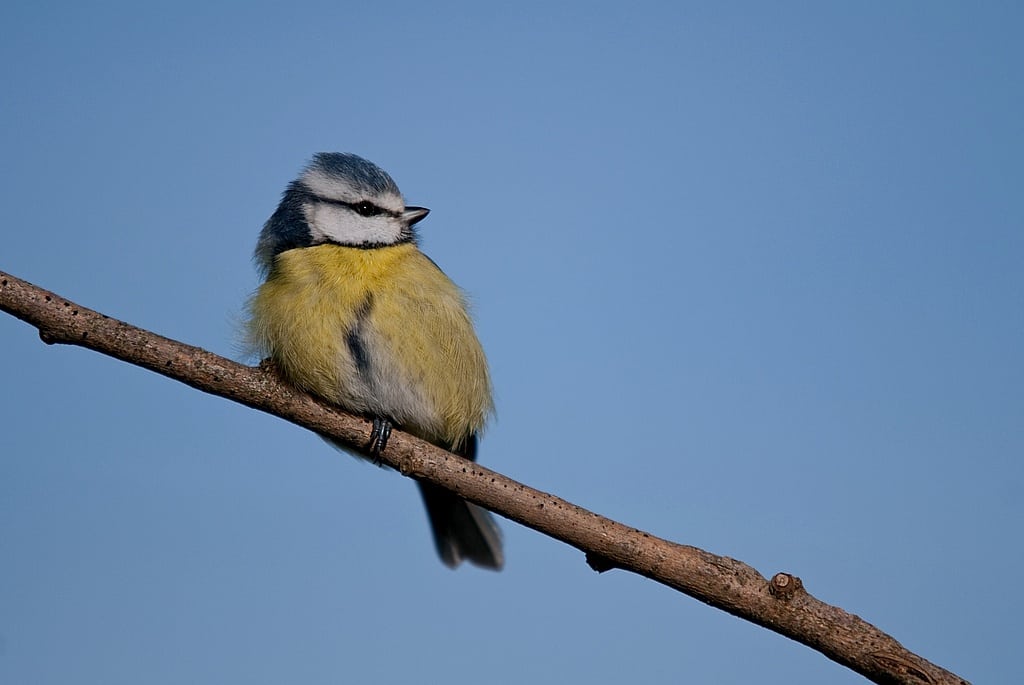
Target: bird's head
x=339 y=198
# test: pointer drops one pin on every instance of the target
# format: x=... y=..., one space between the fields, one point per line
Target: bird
x=352 y=311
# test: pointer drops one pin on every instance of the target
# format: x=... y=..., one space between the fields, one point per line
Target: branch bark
x=780 y=604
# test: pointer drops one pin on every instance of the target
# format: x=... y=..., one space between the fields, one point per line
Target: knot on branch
x=783 y=586
x=599 y=562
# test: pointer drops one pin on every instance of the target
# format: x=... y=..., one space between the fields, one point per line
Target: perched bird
x=353 y=312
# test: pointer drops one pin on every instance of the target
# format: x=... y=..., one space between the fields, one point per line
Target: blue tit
x=353 y=312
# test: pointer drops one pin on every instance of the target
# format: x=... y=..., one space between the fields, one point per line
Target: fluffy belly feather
x=381 y=332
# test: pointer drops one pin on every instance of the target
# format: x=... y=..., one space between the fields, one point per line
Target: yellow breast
x=380 y=332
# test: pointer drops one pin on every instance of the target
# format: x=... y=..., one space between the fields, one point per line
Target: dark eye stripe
x=362 y=208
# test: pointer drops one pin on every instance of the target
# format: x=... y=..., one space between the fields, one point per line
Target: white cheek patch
x=338 y=224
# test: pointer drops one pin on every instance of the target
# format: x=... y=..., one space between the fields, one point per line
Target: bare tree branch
x=780 y=604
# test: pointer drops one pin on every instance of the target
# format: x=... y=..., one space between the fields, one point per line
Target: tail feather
x=462 y=531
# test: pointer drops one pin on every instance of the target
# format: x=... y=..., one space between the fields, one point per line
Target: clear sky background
x=750 y=277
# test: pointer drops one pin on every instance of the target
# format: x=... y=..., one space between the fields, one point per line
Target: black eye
x=365 y=208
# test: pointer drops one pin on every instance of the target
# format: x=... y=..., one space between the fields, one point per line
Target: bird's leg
x=378 y=438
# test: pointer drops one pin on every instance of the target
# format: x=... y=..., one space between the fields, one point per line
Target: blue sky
x=749 y=277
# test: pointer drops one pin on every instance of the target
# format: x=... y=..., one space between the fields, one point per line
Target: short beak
x=413 y=215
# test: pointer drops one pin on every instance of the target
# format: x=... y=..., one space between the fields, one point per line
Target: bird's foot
x=378 y=438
